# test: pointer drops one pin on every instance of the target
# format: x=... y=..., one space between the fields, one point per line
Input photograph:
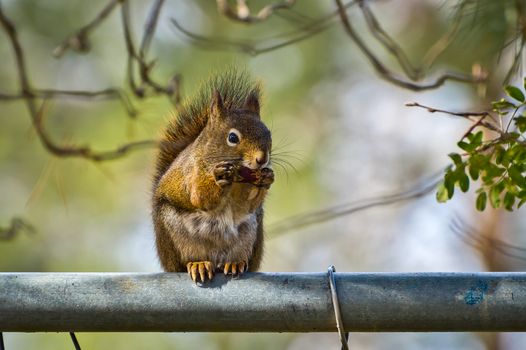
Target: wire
x=74 y=340
x=344 y=336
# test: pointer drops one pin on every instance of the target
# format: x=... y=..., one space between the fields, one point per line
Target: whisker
x=285 y=163
x=286 y=151
x=294 y=154
x=284 y=170
x=282 y=144
x=285 y=159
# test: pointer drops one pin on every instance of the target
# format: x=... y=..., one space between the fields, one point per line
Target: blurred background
x=344 y=130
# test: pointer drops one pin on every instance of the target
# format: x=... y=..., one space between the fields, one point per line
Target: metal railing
x=262 y=302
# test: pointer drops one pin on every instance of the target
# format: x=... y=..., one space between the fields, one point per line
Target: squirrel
x=212 y=174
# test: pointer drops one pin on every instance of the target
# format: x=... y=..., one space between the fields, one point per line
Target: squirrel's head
x=239 y=133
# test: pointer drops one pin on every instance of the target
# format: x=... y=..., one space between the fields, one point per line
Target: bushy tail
x=190 y=119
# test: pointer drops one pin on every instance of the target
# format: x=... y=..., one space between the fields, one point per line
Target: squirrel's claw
x=224 y=173
x=204 y=268
x=235 y=268
x=227 y=268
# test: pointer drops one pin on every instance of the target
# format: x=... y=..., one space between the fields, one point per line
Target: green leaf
x=494 y=196
x=520 y=122
x=520 y=157
x=514 y=92
x=456 y=158
x=502 y=104
x=476 y=139
x=480 y=160
x=482 y=198
x=499 y=154
x=509 y=200
x=474 y=170
x=449 y=183
x=464 y=145
x=442 y=194
x=463 y=182
x=514 y=151
x=512 y=136
x=516 y=176
x=494 y=171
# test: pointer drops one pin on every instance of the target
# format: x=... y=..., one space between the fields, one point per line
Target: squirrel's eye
x=233 y=138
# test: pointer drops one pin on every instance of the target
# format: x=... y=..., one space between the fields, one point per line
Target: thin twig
x=389 y=43
x=443 y=43
x=470 y=236
x=36 y=113
x=109 y=93
x=384 y=72
x=16 y=227
x=172 y=89
x=84 y=151
x=130 y=49
x=242 y=13
x=263 y=44
x=315 y=217
x=248 y=47
x=79 y=41
x=149 y=28
x=466 y=115
x=473 y=126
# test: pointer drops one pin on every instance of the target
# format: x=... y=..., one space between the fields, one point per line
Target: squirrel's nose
x=261 y=158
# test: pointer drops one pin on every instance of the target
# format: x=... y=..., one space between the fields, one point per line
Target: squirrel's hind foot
x=204 y=268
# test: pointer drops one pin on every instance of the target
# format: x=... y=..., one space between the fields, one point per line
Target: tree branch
x=109 y=93
x=242 y=12
x=36 y=113
x=16 y=227
x=260 y=46
x=79 y=41
x=385 y=73
x=217 y=43
x=466 y=115
x=475 y=239
x=421 y=189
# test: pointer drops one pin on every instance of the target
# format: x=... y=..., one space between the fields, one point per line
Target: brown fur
x=199 y=214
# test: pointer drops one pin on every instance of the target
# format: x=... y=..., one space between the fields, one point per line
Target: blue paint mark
x=475 y=294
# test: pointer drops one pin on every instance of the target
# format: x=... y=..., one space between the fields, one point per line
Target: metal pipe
x=262 y=302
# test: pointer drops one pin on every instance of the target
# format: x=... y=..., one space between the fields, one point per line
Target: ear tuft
x=252 y=102
x=217 y=108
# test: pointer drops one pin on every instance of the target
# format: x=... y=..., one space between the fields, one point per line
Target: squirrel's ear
x=252 y=102
x=217 y=108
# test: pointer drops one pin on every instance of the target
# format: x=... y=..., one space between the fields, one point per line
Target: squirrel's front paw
x=267 y=178
x=224 y=173
x=257 y=177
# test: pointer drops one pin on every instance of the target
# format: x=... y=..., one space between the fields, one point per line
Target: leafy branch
x=493 y=153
